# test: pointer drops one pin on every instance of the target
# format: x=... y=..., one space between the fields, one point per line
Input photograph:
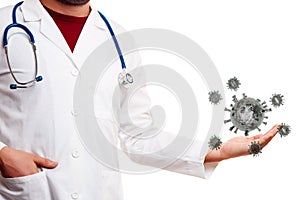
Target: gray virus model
x=233 y=84
x=247 y=114
x=276 y=100
x=255 y=148
x=214 y=143
x=284 y=130
x=214 y=97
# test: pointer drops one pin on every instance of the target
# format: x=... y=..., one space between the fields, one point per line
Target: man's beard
x=74 y=2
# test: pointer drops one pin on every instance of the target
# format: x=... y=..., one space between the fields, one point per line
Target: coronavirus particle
x=233 y=84
x=214 y=143
x=284 y=130
x=214 y=97
x=247 y=114
x=255 y=148
x=277 y=100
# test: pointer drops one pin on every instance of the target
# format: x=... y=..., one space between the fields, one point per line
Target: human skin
x=68 y=9
x=239 y=146
x=17 y=163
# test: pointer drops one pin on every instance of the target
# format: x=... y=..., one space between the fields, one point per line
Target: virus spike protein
x=284 y=130
x=233 y=84
x=214 y=143
x=255 y=148
x=247 y=114
x=214 y=97
x=277 y=100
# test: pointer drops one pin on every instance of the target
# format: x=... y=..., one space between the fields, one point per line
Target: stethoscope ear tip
x=13 y=86
x=39 y=78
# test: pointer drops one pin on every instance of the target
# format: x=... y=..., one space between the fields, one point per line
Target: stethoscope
x=124 y=78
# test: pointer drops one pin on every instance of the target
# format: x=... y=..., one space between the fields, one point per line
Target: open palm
x=239 y=146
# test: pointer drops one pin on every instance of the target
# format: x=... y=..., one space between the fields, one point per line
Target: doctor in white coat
x=41 y=155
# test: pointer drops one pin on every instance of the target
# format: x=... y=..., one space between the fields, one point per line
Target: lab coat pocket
x=33 y=187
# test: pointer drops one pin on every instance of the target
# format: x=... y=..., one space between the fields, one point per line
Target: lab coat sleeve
x=2 y=145
x=151 y=150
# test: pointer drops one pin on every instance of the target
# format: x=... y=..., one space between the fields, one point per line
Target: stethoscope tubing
x=15 y=24
x=114 y=39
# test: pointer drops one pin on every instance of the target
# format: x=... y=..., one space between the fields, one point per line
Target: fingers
x=255 y=137
x=267 y=137
x=273 y=131
x=44 y=162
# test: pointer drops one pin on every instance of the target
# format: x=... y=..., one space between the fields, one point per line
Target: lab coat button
x=74 y=195
x=75 y=153
x=75 y=72
x=74 y=112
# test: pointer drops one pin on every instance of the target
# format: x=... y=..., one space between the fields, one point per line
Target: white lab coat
x=40 y=119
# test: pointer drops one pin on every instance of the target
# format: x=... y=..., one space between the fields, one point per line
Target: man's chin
x=74 y=2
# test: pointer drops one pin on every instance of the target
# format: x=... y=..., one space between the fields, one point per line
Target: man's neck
x=76 y=11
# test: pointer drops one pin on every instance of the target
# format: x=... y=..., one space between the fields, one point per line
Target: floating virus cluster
x=233 y=84
x=284 y=130
x=214 y=143
x=247 y=114
x=255 y=148
x=214 y=97
x=277 y=100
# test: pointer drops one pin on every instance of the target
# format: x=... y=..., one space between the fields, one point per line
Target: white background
x=259 y=42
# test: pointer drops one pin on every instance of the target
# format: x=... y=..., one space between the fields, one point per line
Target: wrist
x=213 y=156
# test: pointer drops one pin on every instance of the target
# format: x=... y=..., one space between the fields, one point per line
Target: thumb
x=44 y=162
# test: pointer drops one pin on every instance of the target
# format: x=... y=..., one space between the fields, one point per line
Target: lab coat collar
x=33 y=10
x=97 y=20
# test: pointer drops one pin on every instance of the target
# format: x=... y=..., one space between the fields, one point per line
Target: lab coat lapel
x=33 y=10
x=52 y=32
x=95 y=27
x=94 y=30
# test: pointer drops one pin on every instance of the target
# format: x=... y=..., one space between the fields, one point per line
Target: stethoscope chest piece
x=125 y=79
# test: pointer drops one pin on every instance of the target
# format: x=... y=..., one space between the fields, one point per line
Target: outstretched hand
x=239 y=146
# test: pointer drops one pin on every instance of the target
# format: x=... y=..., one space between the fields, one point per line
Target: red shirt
x=69 y=26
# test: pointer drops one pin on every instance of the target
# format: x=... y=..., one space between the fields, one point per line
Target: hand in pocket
x=16 y=163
